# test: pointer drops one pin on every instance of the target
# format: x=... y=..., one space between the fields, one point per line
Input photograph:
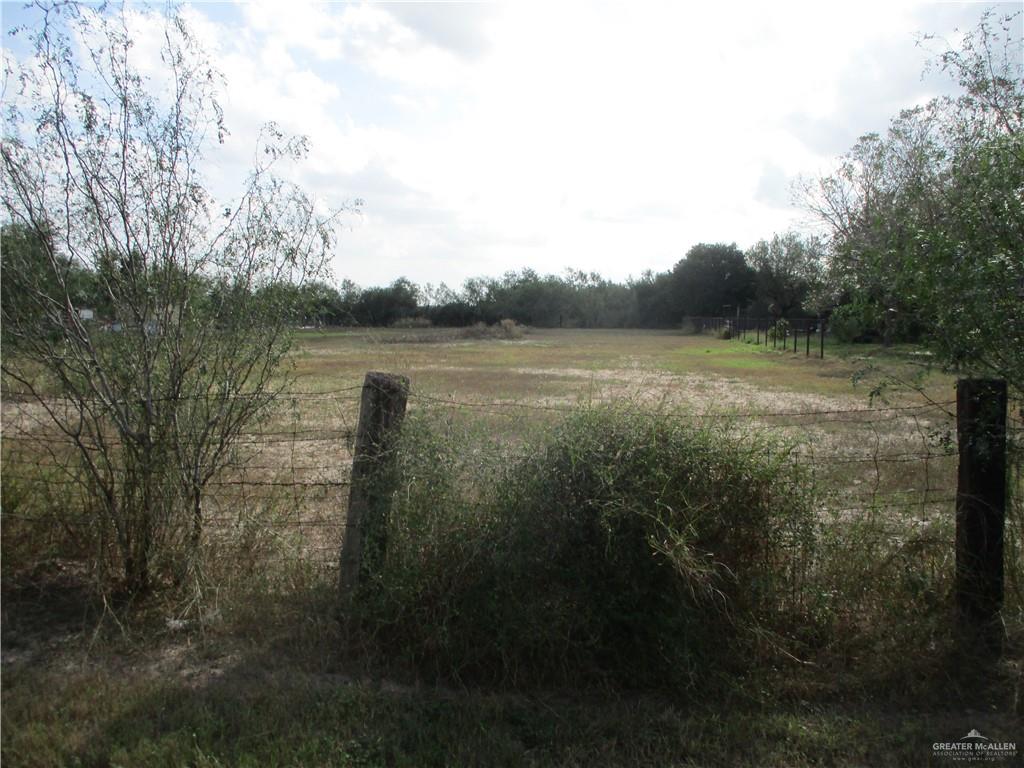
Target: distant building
x=86 y=314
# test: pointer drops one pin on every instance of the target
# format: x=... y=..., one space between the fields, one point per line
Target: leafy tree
x=383 y=306
x=655 y=305
x=788 y=267
x=348 y=294
x=437 y=295
x=883 y=187
x=577 y=299
x=928 y=221
x=101 y=178
x=969 y=274
x=23 y=257
x=321 y=304
x=595 y=302
x=455 y=313
x=713 y=279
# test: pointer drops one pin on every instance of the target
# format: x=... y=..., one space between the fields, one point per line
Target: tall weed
x=620 y=545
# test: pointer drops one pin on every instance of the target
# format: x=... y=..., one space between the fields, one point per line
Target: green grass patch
x=249 y=718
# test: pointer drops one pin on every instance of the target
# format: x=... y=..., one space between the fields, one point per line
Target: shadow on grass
x=248 y=717
x=269 y=688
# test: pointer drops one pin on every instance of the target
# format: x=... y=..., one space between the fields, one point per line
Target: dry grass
x=255 y=676
x=500 y=382
x=563 y=359
x=308 y=438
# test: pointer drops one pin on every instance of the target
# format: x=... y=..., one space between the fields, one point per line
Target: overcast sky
x=608 y=137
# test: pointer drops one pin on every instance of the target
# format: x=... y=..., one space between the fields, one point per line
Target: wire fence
x=286 y=482
x=800 y=335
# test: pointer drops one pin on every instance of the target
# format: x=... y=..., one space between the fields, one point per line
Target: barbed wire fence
x=287 y=482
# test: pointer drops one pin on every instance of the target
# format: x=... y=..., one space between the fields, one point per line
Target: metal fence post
x=980 y=506
x=381 y=410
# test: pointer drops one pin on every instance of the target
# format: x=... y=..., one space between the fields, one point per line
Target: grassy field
x=256 y=670
x=569 y=364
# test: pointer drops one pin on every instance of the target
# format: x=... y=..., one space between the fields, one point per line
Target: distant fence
x=290 y=478
x=799 y=335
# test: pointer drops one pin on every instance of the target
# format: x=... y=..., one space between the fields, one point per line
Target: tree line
x=775 y=278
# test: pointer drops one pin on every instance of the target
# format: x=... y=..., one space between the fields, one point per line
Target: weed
x=622 y=545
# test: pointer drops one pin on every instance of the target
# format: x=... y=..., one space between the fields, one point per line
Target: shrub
x=201 y=308
x=855 y=322
x=509 y=329
x=625 y=546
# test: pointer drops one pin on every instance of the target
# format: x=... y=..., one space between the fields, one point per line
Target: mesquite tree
x=103 y=186
x=927 y=219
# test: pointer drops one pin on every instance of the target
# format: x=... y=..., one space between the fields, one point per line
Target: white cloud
x=298 y=25
x=606 y=136
x=460 y=28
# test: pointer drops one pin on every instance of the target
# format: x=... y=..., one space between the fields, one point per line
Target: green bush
x=619 y=546
x=855 y=322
